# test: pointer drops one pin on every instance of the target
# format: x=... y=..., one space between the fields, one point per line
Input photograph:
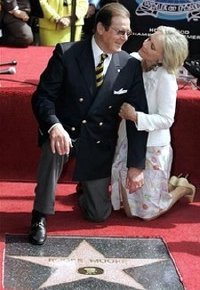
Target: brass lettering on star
x=90 y=271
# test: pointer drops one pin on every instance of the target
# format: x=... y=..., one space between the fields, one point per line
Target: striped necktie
x=99 y=70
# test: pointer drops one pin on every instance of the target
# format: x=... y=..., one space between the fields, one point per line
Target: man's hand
x=60 y=140
x=21 y=15
x=134 y=179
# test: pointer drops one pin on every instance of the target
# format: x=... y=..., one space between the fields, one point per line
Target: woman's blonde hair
x=175 y=48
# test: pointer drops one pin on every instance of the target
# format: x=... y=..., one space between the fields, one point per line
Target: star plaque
x=89 y=263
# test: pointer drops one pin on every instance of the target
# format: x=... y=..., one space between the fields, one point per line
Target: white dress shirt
x=97 y=56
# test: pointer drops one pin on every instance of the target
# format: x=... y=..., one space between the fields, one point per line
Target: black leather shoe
x=38 y=231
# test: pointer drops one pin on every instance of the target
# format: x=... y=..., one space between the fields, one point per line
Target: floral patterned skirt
x=153 y=198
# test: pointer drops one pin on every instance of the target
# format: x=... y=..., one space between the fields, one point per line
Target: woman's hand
x=134 y=179
x=64 y=22
x=128 y=112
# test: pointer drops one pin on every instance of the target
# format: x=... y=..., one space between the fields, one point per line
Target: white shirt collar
x=97 y=52
x=136 y=55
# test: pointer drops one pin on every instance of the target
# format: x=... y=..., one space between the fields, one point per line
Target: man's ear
x=100 y=28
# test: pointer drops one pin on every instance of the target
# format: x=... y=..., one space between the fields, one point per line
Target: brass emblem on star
x=90 y=271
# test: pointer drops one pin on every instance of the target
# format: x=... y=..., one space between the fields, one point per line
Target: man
x=14 y=21
x=76 y=115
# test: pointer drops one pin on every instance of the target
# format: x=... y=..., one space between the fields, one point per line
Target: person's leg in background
x=16 y=32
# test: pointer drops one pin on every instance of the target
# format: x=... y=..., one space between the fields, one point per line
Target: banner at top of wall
x=147 y=15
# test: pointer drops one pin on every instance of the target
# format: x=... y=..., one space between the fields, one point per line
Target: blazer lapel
x=105 y=91
x=113 y=71
x=87 y=68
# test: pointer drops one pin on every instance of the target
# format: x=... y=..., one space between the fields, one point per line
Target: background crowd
x=48 y=22
x=42 y=22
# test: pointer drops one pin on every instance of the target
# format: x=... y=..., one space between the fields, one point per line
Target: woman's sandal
x=183 y=182
x=173 y=181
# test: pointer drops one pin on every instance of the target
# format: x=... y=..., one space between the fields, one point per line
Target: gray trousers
x=95 y=200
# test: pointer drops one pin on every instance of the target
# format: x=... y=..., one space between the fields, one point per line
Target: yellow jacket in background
x=50 y=33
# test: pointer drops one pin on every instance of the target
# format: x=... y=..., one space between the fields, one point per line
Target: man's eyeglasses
x=122 y=32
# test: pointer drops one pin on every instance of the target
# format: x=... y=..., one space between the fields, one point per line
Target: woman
x=55 y=25
x=161 y=55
